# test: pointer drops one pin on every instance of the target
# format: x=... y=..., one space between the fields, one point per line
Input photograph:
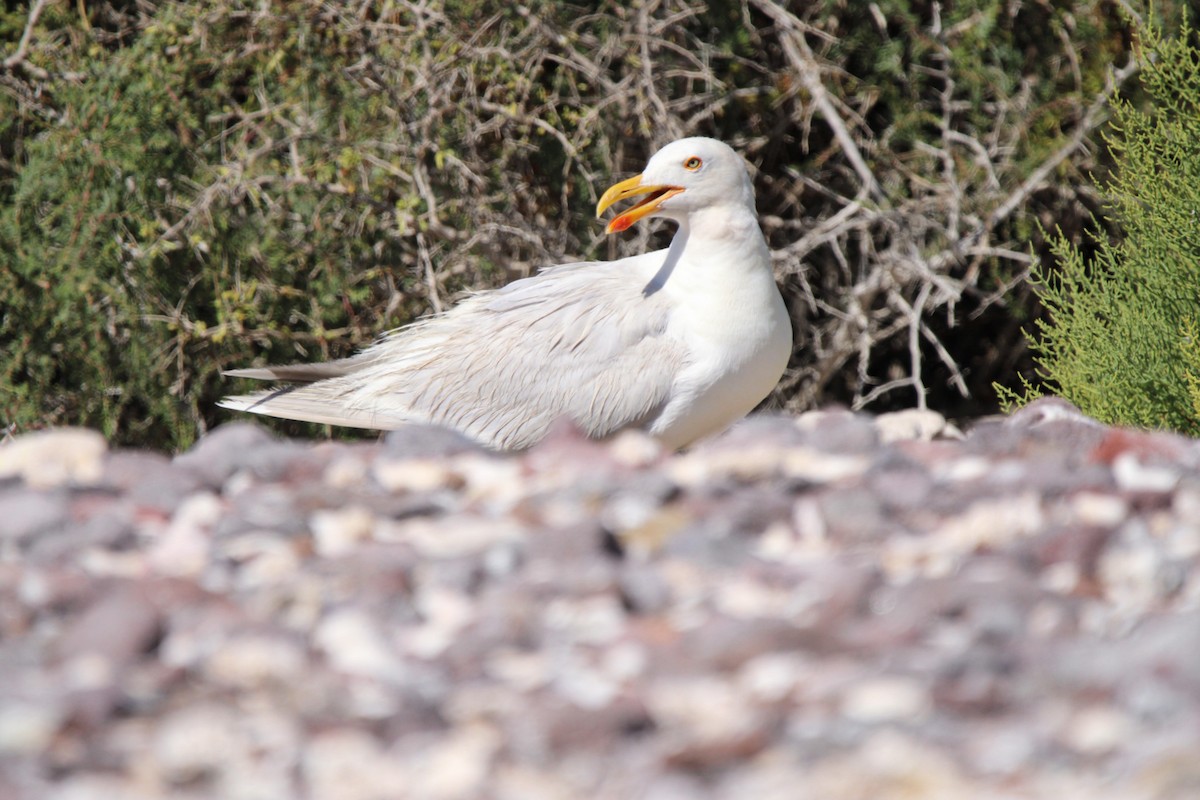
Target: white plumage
x=680 y=342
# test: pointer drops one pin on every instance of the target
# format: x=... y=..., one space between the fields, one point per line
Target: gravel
x=830 y=606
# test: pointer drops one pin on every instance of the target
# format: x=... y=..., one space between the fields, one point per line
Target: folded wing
x=580 y=341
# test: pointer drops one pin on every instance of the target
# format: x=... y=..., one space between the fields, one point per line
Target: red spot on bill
x=620 y=223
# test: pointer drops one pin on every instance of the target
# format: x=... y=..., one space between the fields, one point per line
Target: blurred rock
x=427 y=442
x=826 y=606
x=45 y=459
x=920 y=424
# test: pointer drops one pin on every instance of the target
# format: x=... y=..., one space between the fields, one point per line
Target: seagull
x=680 y=342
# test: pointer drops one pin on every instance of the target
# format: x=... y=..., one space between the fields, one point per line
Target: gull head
x=685 y=176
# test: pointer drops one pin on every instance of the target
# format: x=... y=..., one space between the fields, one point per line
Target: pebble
x=354 y=644
x=56 y=457
x=1134 y=476
x=1101 y=510
x=182 y=549
x=415 y=475
x=337 y=531
x=348 y=764
x=193 y=743
x=226 y=450
x=26 y=513
x=923 y=425
x=1096 y=730
x=253 y=661
x=886 y=699
x=27 y=728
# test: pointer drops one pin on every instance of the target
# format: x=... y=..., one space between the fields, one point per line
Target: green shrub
x=222 y=187
x=1120 y=341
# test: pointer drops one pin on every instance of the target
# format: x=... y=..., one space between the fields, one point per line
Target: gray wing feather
x=579 y=341
x=302 y=373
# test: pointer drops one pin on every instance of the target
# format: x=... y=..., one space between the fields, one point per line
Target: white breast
x=729 y=312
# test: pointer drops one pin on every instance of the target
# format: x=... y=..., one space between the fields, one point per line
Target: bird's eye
x=692 y=164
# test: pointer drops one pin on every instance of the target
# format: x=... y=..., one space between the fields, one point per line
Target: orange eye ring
x=693 y=163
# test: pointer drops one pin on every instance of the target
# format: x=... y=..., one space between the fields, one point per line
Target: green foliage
x=1121 y=338
x=219 y=183
x=1190 y=344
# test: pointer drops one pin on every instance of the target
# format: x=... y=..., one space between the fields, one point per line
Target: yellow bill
x=633 y=187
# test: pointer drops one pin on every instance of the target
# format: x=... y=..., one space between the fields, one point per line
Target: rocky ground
x=832 y=606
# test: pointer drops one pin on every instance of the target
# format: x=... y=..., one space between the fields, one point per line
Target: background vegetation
x=186 y=187
x=1122 y=340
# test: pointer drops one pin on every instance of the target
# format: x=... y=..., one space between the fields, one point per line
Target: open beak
x=633 y=187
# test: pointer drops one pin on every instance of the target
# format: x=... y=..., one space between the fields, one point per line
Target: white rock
x=446 y=614
x=33 y=588
x=354 y=644
x=195 y=742
x=1061 y=577
x=27 y=728
x=963 y=469
x=415 y=474
x=746 y=464
x=761 y=461
x=594 y=620
x=1183 y=539
x=521 y=782
x=820 y=467
x=700 y=709
x=585 y=686
x=913 y=424
x=772 y=677
x=886 y=699
x=183 y=549
x=50 y=458
x=346 y=472
x=994 y=522
x=336 y=531
x=262 y=559
x=89 y=670
x=496 y=483
x=1129 y=571
x=743 y=597
x=252 y=661
x=455 y=767
x=1132 y=475
x=523 y=670
x=626 y=661
x=892 y=765
x=434 y=539
x=634 y=448
x=1097 y=730
x=1104 y=510
x=351 y=765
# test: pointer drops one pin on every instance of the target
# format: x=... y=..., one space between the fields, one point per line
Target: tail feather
x=305 y=404
x=303 y=373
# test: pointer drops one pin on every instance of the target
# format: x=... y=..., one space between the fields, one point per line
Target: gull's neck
x=715 y=242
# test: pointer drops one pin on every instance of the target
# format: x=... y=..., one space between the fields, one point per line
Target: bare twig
x=17 y=59
x=431 y=284
x=801 y=57
x=1096 y=114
